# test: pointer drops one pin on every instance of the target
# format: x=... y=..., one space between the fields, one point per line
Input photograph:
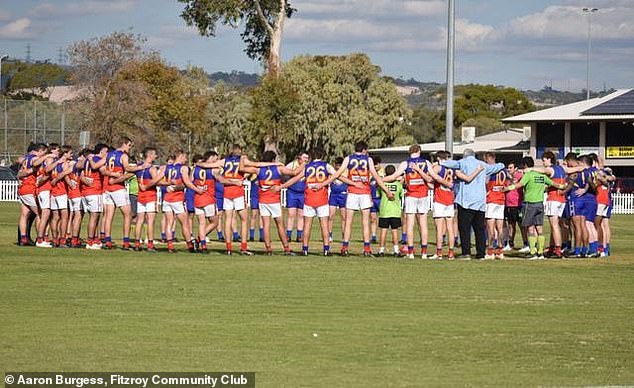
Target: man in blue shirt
x=471 y=200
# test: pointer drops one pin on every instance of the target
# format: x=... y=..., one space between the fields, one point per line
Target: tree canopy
x=329 y=102
x=263 y=22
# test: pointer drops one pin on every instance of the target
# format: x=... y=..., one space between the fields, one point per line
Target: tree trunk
x=273 y=60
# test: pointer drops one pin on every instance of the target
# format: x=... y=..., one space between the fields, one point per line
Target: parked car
x=6 y=174
x=624 y=185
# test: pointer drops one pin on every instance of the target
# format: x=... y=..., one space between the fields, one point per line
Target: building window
x=584 y=134
x=550 y=137
x=619 y=140
x=619 y=133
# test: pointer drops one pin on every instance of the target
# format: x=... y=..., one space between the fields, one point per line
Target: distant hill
x=235 y=79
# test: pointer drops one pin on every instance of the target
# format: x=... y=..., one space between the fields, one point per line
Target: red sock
x=228 y=244
x=243 y=246
x=150 y=244
x=170 y=244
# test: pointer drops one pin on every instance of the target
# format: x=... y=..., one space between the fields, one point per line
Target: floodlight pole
x=451 y=40
x=2 y=58
x=589 y=11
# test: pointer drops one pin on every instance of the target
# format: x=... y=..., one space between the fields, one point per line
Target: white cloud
x=5 y=15
x=18 y=29
x=570 y=22
x=89 y=7
x=384 y=9
x=338 y=30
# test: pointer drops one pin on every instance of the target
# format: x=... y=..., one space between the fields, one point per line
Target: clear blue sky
x=521 y=43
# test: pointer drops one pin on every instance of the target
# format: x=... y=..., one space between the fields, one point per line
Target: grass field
x=318 y=321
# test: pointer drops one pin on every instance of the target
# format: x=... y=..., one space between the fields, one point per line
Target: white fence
x=621 y=203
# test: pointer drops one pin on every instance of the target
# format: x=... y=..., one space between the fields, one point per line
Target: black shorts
x=513 y=214
x=389 y=223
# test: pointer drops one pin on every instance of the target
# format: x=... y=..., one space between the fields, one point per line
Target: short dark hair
x=513 y=162
x=66 y=148
x=32 y=147
x=389 y=170
x=100 y=146
x=269 y=156
x=376 y=159
x=571 y=156
x=53 y=146
x=209 y=154
x=125 y=140
x=338 y=160
x=550 y=156
x=489 y=154
x=197 y=158
x=360 y=146
x=317 y=153
x=443 y=155
x=586 y=159
x=147 y=150
x=527 y=161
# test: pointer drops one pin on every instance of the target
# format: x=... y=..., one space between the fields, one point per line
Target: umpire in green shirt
x=534 y=184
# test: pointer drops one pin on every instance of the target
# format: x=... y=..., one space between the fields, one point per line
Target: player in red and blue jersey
x=205 y=202
x=604 y=208
x=269 y=179
x=147 y=179
x=359 y=168
x=27 y=177
x=176 y=179
x=73 y=181
x=316 y=174
x=494 y=213
x=419 y=175
x=59 y=197
x=117 y=170
x=91 y=186
x=337 y=200
x=295 y=199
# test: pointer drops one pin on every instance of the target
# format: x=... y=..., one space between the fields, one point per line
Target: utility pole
x=589 y=11
x=451 y=44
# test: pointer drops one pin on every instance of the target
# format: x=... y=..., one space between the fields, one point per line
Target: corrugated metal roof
x=574 y=111
x=511 y=140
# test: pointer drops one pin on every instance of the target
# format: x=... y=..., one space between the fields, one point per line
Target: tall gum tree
x=263 y=22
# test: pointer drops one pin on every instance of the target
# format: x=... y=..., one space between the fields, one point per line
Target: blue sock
x=251 y=234
x=577 y=251
x=326 y=248
x=107 y=239
x=126 y=240
x=505 y=243
x=299 y=234
x=304 y=248
x=163 y=236
x=373 y=238
x=236 y=236
x=455 y=240
x=261 y=233
x=584 y=250
x=289 y=234
x=173 y=234
x=607 y=249
x=495 y=242
x=345 y=244
x=594 y=246
x=220 y=235
x=403 y=236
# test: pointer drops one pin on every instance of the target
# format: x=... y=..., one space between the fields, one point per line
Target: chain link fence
x=24 y=122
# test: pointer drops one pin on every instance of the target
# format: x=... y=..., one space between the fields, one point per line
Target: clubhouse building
x=602 y=125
